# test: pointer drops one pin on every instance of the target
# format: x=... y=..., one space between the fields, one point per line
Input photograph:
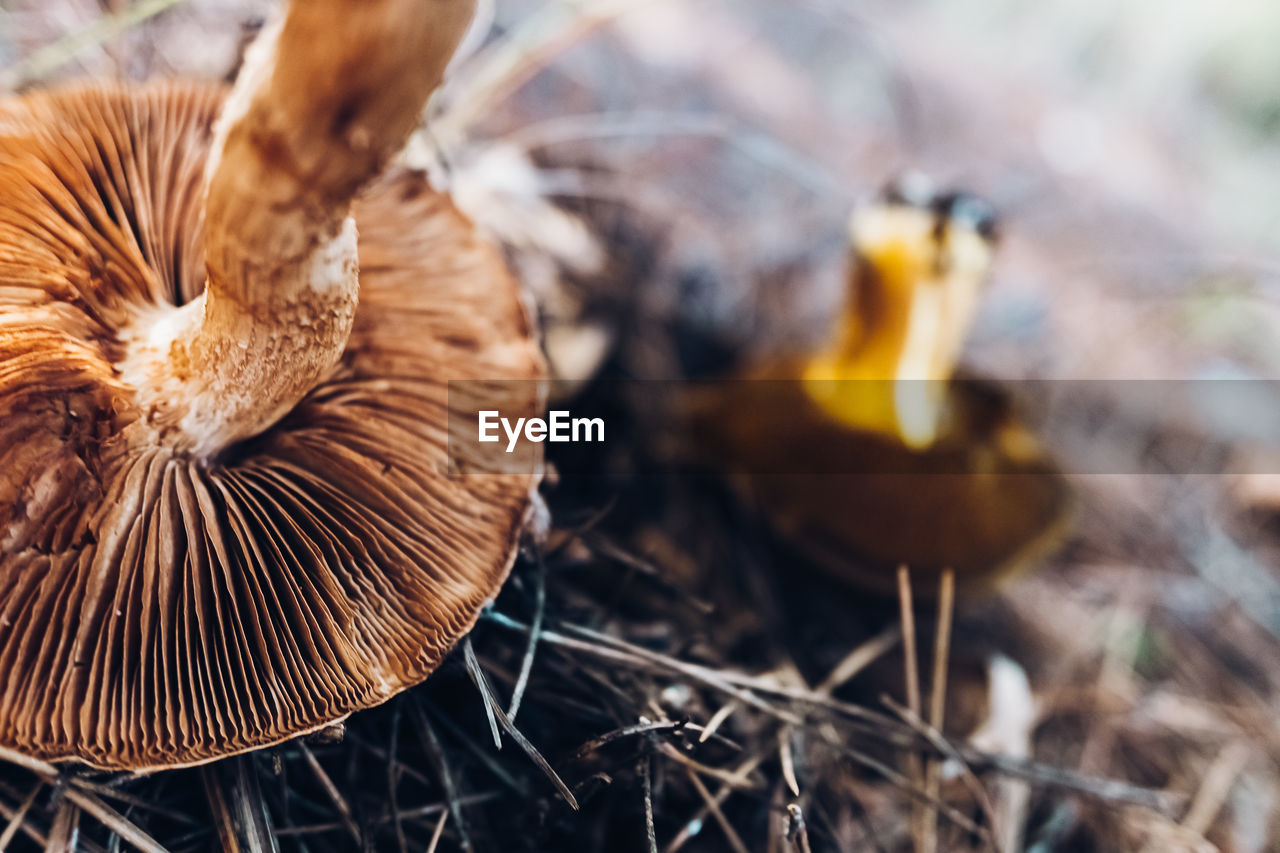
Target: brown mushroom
x=225 y=517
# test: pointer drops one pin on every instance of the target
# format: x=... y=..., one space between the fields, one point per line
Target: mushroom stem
x=325 y=99
x=913 y=292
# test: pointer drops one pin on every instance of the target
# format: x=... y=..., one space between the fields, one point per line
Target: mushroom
x=867 y=454
x=226 y=337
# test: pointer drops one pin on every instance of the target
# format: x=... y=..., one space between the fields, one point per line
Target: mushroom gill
x=225 y=517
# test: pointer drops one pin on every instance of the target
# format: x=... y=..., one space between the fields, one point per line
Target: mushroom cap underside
x=158 y=610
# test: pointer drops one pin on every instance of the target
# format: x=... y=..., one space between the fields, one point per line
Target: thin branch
x=482 y=684
x=948 y=750
x=646 y=778
x=393 y=775
x=439 y=831
x=430 y=810
x=431 y=743
x=694 y=825
x=486 y=692
x=911 y=678
x=19 y=816
x=860 y=658
x=647 y=728
x=938 y=697
x=331 y=791
x=535 y=631
x=713 y=805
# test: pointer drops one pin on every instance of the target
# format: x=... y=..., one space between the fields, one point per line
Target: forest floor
x=692 y=682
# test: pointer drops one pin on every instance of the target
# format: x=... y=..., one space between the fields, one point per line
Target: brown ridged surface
x=156 y=610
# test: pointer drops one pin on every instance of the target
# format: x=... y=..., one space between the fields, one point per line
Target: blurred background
x=1129 y=146
x=674 y=179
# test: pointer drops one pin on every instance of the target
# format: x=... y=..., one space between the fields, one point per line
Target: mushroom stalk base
x=216 y=371
x=316 y=113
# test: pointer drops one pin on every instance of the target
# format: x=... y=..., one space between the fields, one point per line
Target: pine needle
x=48 y=59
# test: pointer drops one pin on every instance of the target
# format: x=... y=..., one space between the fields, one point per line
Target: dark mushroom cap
x=158 y=608
x=985 y=500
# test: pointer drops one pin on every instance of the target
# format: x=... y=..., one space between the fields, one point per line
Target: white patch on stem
x=334 y=265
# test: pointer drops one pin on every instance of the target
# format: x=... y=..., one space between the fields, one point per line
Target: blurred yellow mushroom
x=867 y=453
